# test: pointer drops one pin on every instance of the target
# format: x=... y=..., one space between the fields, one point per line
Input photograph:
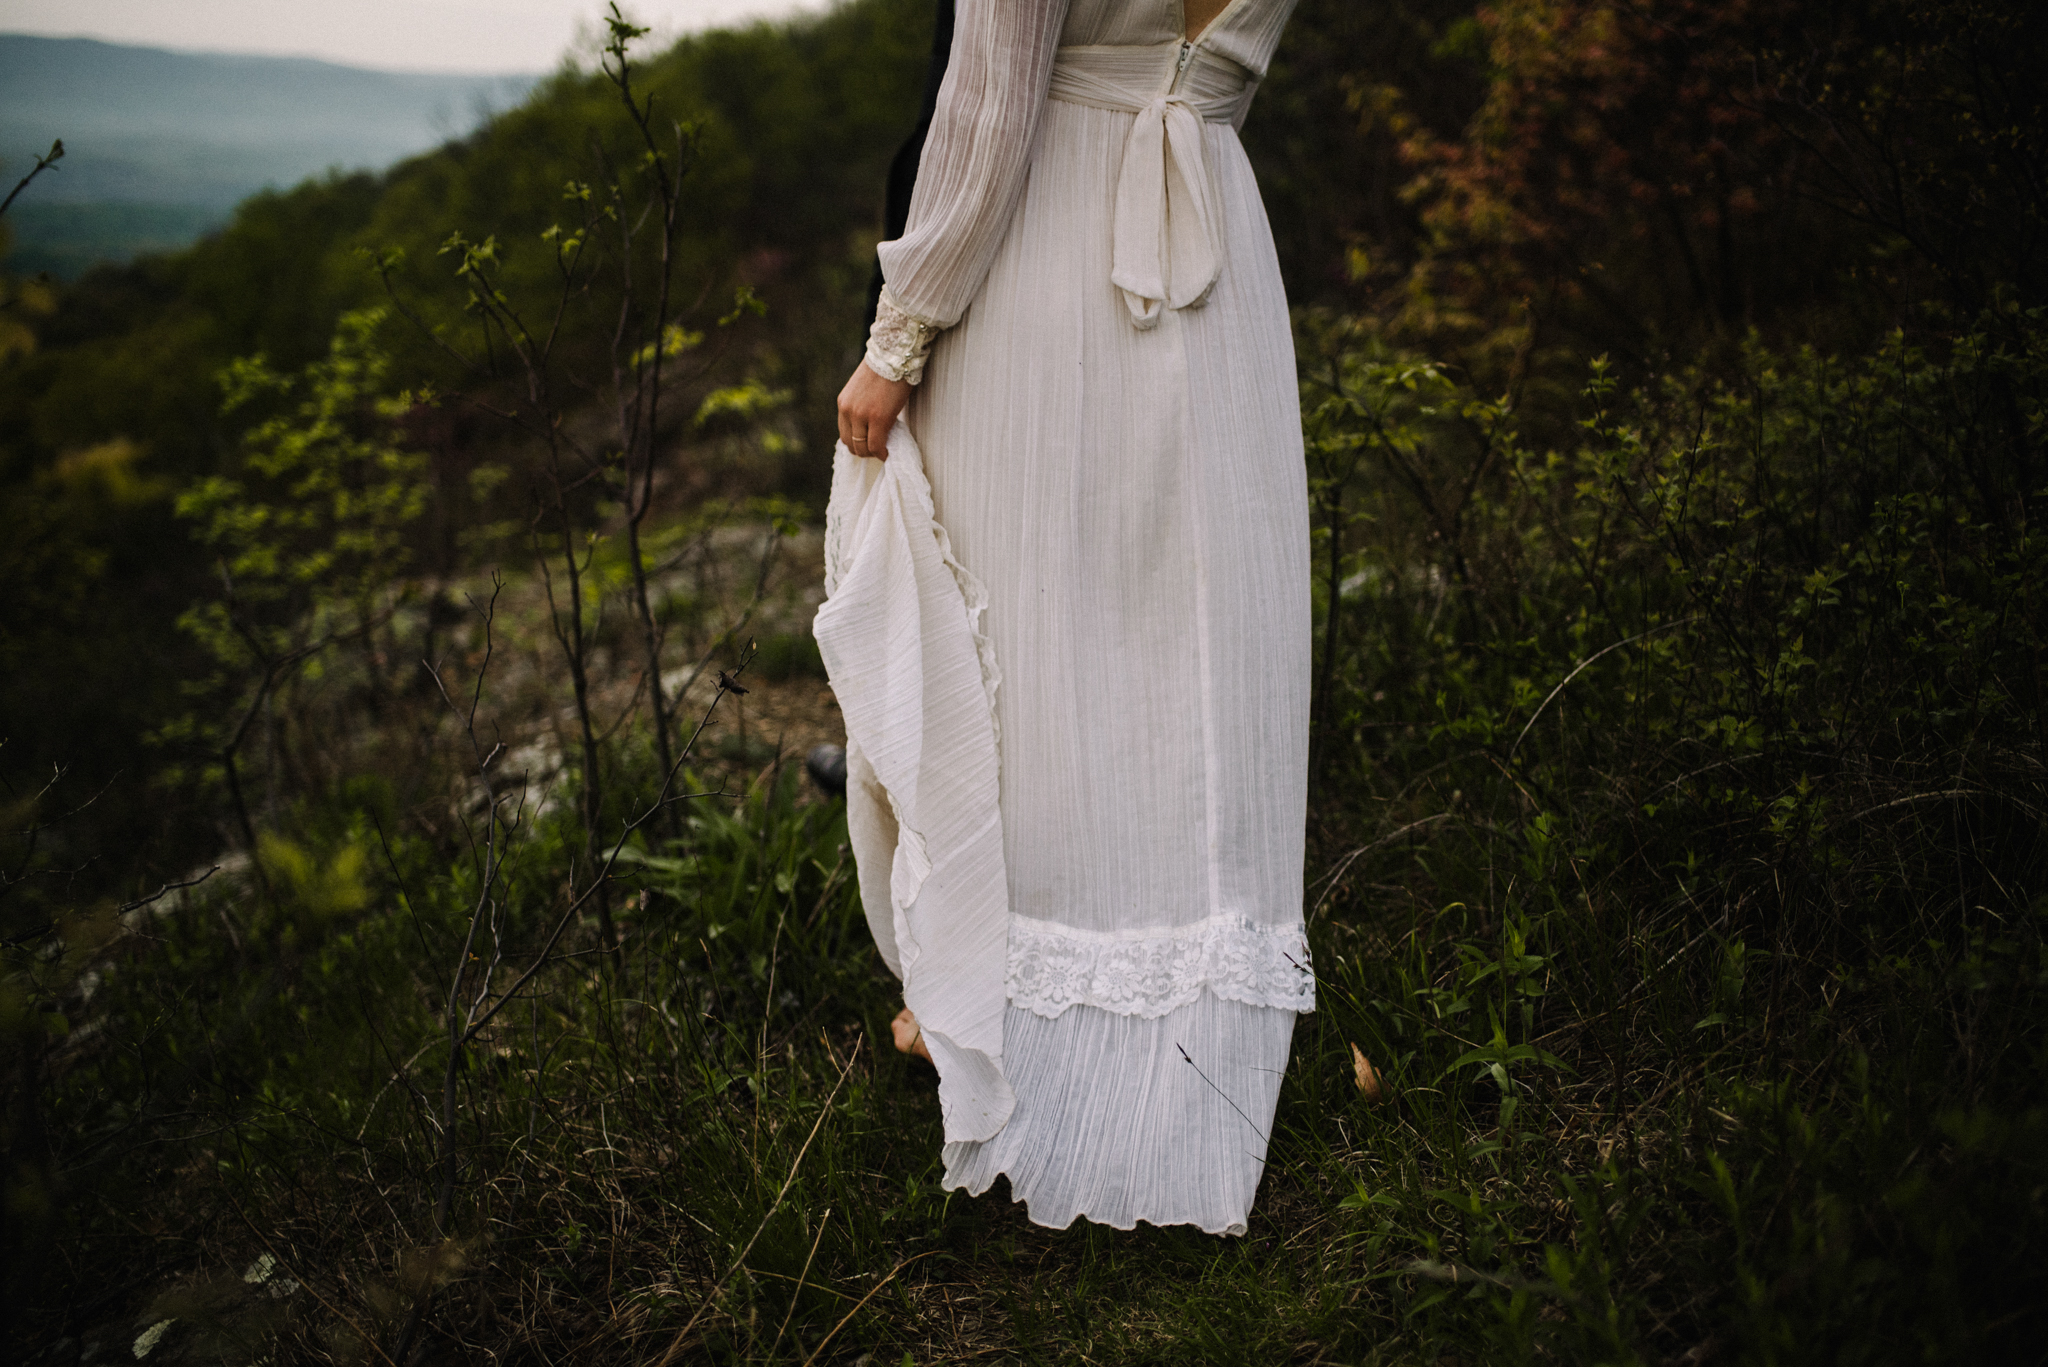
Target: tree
x=308 y=536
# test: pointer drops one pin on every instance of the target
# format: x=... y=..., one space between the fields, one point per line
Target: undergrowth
x=1676 y=893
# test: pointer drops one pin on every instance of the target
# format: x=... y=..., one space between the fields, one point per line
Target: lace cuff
x=899 y=341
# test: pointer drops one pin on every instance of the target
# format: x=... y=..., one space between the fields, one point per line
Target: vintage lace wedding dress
x=1068 y=624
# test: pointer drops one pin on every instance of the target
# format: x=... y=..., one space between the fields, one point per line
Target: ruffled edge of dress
x=1123 y=1120
x=915 y=676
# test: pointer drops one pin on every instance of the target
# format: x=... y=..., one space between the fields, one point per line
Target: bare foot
x=909 y=1039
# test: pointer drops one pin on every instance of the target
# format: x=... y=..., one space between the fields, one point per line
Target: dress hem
x=1232 y=1230
x=1124 y=1121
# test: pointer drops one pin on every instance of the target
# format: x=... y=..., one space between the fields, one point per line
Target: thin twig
x=1581 y=667
x=1345 y=863
x=169 y=888
x=1263 y=1136
x=46 y=162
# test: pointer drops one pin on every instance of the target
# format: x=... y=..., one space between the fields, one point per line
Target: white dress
x=1090 y=872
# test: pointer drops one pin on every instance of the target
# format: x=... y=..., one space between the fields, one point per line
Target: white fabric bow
x=1168 y=246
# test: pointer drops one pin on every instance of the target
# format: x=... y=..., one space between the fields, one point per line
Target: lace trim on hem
x=1149 y=973
x=899 y=341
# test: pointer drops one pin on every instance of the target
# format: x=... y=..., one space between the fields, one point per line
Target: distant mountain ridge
x=178 y=138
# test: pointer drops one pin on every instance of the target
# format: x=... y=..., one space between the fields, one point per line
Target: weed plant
x=1697 y=926
x=1676 y=874
x=1676 y=891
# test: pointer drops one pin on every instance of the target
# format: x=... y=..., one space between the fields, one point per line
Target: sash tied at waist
x=1167 y=249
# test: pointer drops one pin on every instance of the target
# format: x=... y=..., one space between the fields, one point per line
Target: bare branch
x=47 y=162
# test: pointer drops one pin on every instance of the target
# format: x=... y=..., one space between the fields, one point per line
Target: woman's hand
x=868 y=407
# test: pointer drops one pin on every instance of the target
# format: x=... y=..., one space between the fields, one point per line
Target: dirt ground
x=737 y=598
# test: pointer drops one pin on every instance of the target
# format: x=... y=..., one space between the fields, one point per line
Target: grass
x=1676 y=863
x=624 y=1140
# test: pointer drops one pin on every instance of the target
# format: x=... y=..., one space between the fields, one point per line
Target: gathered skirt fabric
x=1135 y=503
x=1121 y=1119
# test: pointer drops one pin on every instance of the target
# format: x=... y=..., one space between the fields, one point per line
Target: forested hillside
x=422 y=942
x=109 y=402
x=796 y=128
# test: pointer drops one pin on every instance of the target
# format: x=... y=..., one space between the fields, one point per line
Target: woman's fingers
x=868 y=408
x=855 y=437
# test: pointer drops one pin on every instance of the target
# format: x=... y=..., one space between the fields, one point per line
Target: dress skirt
x=1134 y=502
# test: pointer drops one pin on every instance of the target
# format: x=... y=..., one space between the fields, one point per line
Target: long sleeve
x=976 y=155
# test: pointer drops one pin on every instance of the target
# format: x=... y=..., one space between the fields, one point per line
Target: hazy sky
x=412 y=35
